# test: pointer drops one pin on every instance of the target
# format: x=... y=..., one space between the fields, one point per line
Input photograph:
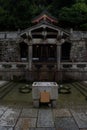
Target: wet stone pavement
x=18 y=118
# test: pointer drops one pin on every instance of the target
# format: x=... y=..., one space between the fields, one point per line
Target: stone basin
x=44 y=84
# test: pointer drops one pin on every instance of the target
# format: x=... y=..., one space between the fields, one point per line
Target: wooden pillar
x=58 y=56
x=41 y=50
x=30 y=57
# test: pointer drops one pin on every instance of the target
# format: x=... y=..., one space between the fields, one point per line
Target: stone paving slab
x=83 y=129
x=61 y=113
x=5 y=128
x=42 y=119
x=45 y=118
x=2 y=110
x=25 y=123
x=26 y=112
x=42 y=128
x=66 y=124
x=80 y=118
x=9 y=117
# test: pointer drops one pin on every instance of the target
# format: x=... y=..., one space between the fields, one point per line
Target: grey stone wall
x=78 y=51
x=9 y=51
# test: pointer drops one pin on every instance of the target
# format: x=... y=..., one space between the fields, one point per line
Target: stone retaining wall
x=78 y=51
x=9 y=51
x=21 y=75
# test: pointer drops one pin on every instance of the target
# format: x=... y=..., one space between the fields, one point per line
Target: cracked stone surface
x=66 y=123
x=29 y=112
x=61 y=113
x=83 y=129
x=45 y=118
x=2 y=110
x=80 y=118
x=42 y=128
x=25 y=123
x=5 y=128
x=9 y=118
x=18 y=118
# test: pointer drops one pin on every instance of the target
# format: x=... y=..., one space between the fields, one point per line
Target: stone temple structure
x=43 y=51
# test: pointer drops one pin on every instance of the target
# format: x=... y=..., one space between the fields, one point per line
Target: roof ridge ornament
x=44 y=16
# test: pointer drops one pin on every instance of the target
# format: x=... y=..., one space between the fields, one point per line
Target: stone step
x=82 y=86
x=7 y=89
x=5 y=86
x=83 y=92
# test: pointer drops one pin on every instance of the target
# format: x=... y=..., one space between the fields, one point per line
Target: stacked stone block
x=78 y=51
x=10 y=51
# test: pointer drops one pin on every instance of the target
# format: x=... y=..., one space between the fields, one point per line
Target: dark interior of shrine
x=23 y=51
x=45 y=52
x=65 y=51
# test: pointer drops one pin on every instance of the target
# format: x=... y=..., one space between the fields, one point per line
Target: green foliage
x=16 y=14
x=74 y=16
x=83 y=27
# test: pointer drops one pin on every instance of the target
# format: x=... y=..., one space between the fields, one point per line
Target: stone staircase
x=81 y=87
x=4 y=89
